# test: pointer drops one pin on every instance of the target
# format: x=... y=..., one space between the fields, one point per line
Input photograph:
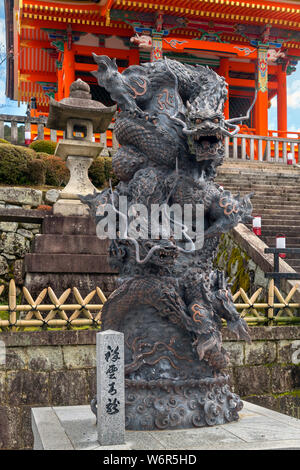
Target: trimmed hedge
x=37 y=171
x=57 y=173
x=101 y=171
x=44 y=146
x=97 y=172
x=14 y=162
x=23 y=166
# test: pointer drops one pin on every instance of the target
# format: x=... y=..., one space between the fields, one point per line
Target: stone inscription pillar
x=110 y=388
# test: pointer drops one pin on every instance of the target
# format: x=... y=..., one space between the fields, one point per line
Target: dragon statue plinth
x=171 y=301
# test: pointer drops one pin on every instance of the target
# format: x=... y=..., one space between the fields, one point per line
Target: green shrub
x=14 y=164
x=109 y=173
x=23 y=166
x=101 y=171
x=97 y=172
x=44 y=146
x=37 y=171
x=57 y=173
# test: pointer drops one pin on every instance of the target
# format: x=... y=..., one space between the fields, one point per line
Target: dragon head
x=205 y=125
x=204 y=117
x=165 y=254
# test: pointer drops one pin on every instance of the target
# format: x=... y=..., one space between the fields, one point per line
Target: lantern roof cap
x=79 y=105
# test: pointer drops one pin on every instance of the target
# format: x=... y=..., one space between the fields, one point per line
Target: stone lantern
x=79 y=117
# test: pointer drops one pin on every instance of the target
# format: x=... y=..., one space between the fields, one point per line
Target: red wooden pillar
x=68 y=69
x=60 y=85
x=281 y=102
x=134 y=57
x=59 y=95
x=261 y=106
x=224 y=72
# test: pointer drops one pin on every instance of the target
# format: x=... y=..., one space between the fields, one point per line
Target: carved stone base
x=68 y=203
x=166 y=404
x=69 y=207
x=79 y=182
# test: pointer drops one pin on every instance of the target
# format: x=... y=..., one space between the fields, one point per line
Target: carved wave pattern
x=159 y=405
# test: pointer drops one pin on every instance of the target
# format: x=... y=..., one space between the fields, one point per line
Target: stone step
x=281 y=205
x=68 y=244
x=263 y=188
x=288 y=221
x=272 y=211
x=258 y=166
x=273 y=234
x=294 y=263
x=67 y=263
x=278 y=207
x=257 y=178
x=259 y=189
x=285 y=178
x=290 y=242
x=250 y=181
x=276 y=199
x=291 y=228
x=289 y=196
x=275 y=213
x=71 y=225
x=245 y=183
x=262 y=174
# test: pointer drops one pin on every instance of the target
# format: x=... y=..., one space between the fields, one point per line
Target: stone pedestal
x=74 y=428
x=79 y=183
x=67 y=207
x=66 y=254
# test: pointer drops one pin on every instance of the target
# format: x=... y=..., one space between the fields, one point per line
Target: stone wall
x=241 y=270
x=42 y=368
x=267 y=371
x=16 y=238
x=48 y=368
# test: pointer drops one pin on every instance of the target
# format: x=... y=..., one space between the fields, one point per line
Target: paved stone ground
x=74 y=427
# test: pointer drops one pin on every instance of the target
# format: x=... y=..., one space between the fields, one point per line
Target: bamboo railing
x=55 y=314
x=277 y=309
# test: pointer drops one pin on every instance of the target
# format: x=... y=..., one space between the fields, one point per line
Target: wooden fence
x=277 y=309
x=37 y=314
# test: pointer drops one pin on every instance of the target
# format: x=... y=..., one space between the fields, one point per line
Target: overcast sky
x=293 y=82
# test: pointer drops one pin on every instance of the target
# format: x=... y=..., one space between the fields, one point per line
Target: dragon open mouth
x=207 y=146
x=168 y=255
x=164 y=255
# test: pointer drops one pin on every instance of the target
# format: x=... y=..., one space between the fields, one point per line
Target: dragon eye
x=198 y=121
x=216 y=120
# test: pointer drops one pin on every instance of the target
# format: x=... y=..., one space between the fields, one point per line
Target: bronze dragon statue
x=171 y=301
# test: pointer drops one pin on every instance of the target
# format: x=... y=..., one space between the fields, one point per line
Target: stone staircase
x=276 y=199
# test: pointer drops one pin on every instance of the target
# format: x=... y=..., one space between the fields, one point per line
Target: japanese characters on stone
x=112 y=358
